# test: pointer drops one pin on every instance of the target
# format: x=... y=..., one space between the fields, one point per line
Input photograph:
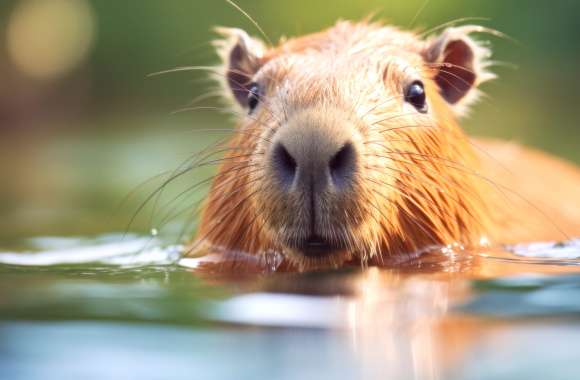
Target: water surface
x=124 y=307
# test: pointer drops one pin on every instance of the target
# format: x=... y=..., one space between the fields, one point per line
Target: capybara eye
x=253 y=96
x=415 y=95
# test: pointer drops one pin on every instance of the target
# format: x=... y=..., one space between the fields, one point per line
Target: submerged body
x=348 y=149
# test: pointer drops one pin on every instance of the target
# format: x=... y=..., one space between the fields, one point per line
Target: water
x=129 y=307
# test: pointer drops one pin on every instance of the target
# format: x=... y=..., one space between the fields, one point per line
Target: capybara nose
x=341 y=166
x=310 y=167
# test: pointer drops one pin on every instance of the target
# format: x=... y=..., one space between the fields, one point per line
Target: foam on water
x=124 y=251
x=550 y=250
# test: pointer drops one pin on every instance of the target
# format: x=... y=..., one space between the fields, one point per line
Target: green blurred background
x=81 y=123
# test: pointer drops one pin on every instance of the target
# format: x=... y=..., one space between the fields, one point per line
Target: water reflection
x=397 y=324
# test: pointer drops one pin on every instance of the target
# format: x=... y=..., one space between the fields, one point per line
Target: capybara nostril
x=342 y=166
x=284 y=165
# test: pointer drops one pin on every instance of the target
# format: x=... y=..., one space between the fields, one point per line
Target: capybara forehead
x=344 y=52
x=339 y=77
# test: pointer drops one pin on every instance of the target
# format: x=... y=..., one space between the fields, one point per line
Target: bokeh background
x=82 y=124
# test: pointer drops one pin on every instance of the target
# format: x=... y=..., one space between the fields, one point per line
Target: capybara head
x=347 y=145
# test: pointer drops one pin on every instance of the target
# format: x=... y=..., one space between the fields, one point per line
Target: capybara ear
x=460 y=64
x=241 y=57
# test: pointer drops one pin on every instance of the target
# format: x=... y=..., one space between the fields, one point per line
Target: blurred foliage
x=83 y=141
